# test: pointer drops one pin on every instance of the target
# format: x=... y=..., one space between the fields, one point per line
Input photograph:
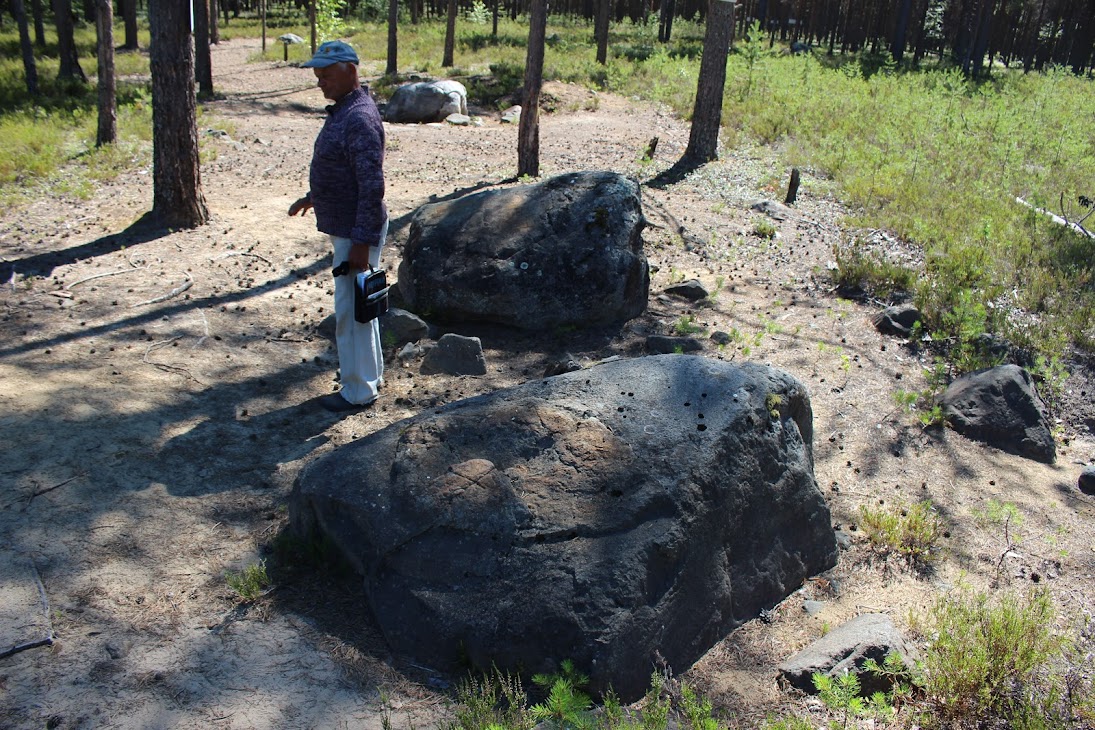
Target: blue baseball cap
x=330 y=53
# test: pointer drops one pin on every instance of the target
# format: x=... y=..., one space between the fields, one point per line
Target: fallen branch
x=173 y=293
x=48 y=639
x=164 y=366
x=47 y=490
x=243 y=253
x=68 y=287
x=1057 y=219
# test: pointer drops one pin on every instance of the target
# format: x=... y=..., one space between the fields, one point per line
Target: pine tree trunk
x=177 y=199
x=39 y=23
x=901 y=30
x=450 y=36
x=703 y=139
x=528 y=132
x=203 y=60
x=601 y=30
x=108 y=116
x=214 y=22
x=393 y=38
x=128 y=9
x=29 y=66
x=66 y=45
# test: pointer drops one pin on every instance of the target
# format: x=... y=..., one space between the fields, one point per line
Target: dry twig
x=173 y=293
x=165 y=366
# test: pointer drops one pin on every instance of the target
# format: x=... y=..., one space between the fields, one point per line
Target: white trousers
x=360 y=358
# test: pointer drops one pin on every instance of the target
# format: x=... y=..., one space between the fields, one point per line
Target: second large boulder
x=564 y=252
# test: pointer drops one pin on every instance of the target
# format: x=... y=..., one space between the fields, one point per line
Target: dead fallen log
x=1057 y=219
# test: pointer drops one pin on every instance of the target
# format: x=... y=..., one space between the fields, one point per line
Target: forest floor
x=158 y=389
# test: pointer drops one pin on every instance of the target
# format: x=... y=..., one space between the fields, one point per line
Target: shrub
x=911 y=533
x=996 y=660
x=249 y=583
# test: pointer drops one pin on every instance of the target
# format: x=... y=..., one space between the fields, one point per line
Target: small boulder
x=511 y=115
x=398 y=327
x=666 y=345
x=898 y=320
x=1087 y=480
x=564 y=364
x=458 y=120
x=772 y=209
x=456 y=355
x=999 y=406
x=426 y=101
x=691 y=290
x=846 y=649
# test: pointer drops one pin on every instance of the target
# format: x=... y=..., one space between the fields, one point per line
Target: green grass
x=910 y=533
x=1002 y=658
x=250 y=582
x=925 y=153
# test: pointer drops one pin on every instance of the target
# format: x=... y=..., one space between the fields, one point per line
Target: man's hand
x=301 y=206
x=359 y=256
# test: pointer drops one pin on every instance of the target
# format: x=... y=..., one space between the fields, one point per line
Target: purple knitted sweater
x=347 y=173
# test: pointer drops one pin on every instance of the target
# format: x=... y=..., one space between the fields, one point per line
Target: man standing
x=347 y=193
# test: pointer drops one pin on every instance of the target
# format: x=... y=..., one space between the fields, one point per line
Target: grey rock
x=999 y=406
x=456 y=355
x=458 y=120
x=563 y=252
x=692 y=290
x=565 y=364
x=1086 y=481
x=398 y=327
x=410 y=351
x=772 y=209
x=666 y=345
x=426 y=101
x=721 y=338
x=847 y=648
x=511 y=115
x=843 y=540
x=554 y=519
x=812 y=608
x=898 y=320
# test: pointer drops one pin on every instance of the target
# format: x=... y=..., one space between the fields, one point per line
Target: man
x=347 y=194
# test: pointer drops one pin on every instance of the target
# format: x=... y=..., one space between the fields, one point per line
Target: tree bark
x=703 y=139
x=29 y=66
x=39 y=23
x=450 y=36
x=177 y=199
x=107 y=130
x=128 y=9
x=393 y=38
x=203 y=60
x=214 y=22
x=528 y=132
x=601 y=30
x=665 y=20
x=901 y=30
x=66 y=44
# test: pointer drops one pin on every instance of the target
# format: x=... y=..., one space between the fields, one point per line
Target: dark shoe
x=335 y=403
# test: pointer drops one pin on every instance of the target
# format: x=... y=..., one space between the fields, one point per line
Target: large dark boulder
x=1000 y=407
x=637 y=507
x=566 y=251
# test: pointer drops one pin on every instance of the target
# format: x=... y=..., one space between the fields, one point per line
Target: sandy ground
x=155 y=411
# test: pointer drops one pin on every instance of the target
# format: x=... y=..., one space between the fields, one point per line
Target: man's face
x=336 y=80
